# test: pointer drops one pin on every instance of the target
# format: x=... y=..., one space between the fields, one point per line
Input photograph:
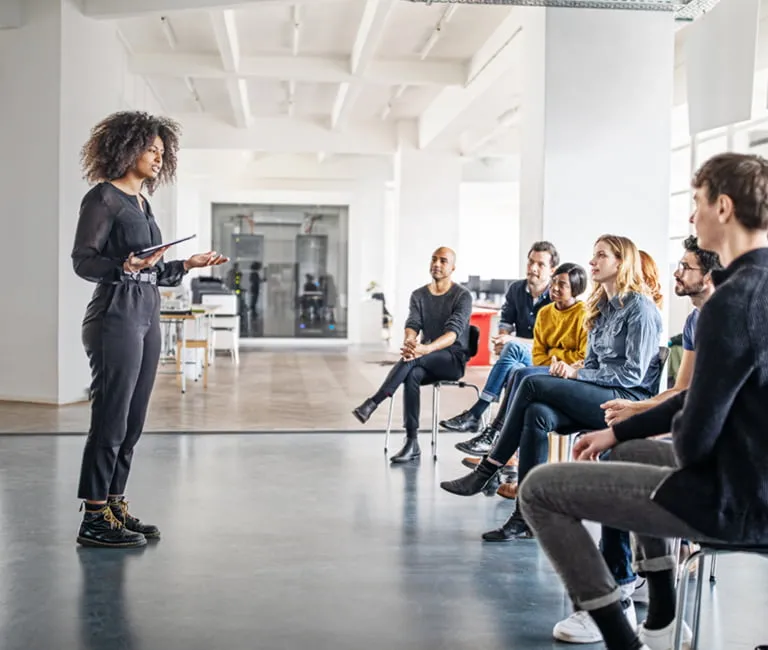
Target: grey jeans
x=555 y=499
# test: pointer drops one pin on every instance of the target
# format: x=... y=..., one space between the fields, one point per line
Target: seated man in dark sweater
x=711 y=484
x=439 y=312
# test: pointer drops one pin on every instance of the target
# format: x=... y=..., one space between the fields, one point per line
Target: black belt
x=149 y=278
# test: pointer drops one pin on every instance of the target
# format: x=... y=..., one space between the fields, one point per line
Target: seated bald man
x=436 y=347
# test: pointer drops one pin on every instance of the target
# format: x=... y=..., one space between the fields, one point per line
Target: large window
x=289 y=267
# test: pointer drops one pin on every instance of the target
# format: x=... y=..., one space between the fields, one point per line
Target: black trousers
x=123 y=347
x=443 y=365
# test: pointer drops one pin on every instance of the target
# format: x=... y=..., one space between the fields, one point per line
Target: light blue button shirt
x=623 y=345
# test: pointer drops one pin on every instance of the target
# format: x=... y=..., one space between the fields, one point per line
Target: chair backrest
x=227 y=303
x=661 y=359
x=474 y=340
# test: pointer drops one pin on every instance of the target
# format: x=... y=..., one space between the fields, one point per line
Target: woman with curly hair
x=127 y=152
x=624 y=332
x=651 y=280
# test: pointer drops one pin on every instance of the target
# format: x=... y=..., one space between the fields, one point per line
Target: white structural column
x=596 y=129
x=426 y=217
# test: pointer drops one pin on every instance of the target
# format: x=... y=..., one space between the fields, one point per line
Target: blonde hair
x=651 y=278
x=628 y=280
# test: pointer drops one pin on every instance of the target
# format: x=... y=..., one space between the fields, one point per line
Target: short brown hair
x=744 y=179
x=546 y=247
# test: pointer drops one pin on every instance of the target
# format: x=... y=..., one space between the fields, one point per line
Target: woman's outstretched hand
x=200 y=260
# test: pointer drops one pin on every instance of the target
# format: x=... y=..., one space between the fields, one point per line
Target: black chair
x=711 y=550
x=566 y=436
x=474 y=344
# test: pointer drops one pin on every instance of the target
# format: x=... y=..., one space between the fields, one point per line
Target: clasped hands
x=412 y=349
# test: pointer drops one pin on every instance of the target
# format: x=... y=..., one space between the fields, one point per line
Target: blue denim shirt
x=623 y=346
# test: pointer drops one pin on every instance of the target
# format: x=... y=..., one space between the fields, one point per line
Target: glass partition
x=289 y=267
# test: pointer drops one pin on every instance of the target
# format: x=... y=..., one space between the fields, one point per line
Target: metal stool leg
x=682 y=602
x=389 y=423
x=676 y=554
x=712 y=572
x=435 y=417
x=697 y=603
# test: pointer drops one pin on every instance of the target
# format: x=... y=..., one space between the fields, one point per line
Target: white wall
x=54 y=88
x=489 y=224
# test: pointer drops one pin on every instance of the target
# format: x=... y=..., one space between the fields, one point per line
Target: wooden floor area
x=272 y=389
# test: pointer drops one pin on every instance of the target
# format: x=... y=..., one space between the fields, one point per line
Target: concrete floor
x=290 y=541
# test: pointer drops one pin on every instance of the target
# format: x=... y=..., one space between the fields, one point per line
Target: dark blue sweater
x=720 y=424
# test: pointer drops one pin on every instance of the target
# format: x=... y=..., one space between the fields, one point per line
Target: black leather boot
x=102 y=528
x=514 y=528
x=481 y=444
x=409 y=452
x=474 y=482
x=120 y=510
x=364 y=412
x=462 y=423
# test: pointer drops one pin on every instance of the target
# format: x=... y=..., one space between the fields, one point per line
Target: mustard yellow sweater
x=559 y=334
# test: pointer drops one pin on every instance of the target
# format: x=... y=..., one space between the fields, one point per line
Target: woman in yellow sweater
x=559 y=332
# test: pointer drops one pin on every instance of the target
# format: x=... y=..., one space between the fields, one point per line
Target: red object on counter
x=482 y=319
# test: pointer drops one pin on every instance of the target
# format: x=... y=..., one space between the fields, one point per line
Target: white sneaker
x=664 y=638
x=640 y=594
x=580 y=628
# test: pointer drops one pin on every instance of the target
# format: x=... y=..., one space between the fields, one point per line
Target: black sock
x=617 y=633
x=479 y=408
x=412 y=435
x=486 y=468
x=661 y=599
x=93 y=507
x=379 y=397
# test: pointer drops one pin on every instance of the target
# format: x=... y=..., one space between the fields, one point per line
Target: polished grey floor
x=290 y=541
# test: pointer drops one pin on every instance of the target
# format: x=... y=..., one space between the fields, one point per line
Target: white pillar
x=427 y=216
x=596 y=129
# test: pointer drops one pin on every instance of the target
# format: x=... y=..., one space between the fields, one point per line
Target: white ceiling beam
x=286 y=135
x=225 y=30
x=117 y=9
x=498 y=55
x=10 y=14
x=295 y=29
x=302 y=69
x=369 y=33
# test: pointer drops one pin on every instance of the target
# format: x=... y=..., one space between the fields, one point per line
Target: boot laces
x=110 y=518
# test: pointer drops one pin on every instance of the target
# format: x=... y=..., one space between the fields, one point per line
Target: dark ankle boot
x=364 y=412
x=514 y=528
x=120 y=510
x=409 y=452
x=474 y=482
x=102 y=528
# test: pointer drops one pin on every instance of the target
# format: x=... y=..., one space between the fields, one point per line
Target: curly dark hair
x=708 y=261
x=117 y=142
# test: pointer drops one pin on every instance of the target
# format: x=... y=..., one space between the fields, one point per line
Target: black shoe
x=481 y=444
x=364 y=412
x=462 y=423
x=120 y=510
x=494 y=484
x=102 y=528
x=409 y=452
x=474 y=482
x=514 y=528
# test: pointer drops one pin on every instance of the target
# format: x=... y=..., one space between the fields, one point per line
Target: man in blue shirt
x=513 y=343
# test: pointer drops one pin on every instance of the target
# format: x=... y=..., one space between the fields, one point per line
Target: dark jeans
x=544 y=403
x=123 y=348
x=443 y=365
x=513 y=383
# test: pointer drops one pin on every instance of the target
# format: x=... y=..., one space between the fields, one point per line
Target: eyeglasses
x=682 y=267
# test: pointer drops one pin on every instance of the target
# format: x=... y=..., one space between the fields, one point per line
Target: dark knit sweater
x=720 y=424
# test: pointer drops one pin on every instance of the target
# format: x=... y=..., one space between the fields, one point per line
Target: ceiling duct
x=684 y=11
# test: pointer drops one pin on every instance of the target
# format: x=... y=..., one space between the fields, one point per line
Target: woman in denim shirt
x=622 y=362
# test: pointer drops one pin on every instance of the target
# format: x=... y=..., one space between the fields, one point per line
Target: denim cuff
x=655 y=564
x=489 y=397
x=601 y=601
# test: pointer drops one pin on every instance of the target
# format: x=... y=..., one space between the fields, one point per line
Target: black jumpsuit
x=121 y=331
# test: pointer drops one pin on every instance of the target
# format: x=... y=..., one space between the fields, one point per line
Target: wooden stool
x=193 y=344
